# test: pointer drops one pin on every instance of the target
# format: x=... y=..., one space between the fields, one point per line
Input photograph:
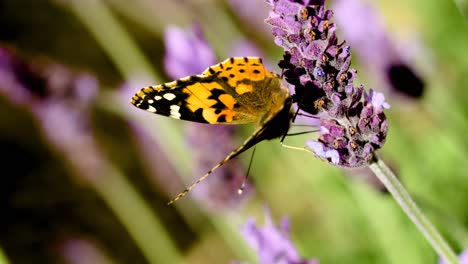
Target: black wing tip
x=135 y=100
x=138 y=97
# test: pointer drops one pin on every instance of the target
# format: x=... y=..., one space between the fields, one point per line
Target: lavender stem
x=393 y=185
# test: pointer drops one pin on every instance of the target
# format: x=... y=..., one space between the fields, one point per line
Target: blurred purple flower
x=209 y=143
x=18 y=81
x=352 y=122
x=272 y=244
x=251 y=14
x=77 y=250
x=362 y=28
x=463 y=258
x=187 y=53
x=61 y=101
x=245 y=48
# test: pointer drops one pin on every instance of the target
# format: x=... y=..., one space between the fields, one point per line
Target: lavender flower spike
x=352 y=123
x=272 y=244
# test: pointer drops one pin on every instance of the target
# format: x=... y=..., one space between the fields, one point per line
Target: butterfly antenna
x=195 y=183
x=249 y=142
x=241 y=188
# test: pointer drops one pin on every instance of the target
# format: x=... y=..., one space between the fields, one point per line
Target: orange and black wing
x=197 y=98
x=225 y=93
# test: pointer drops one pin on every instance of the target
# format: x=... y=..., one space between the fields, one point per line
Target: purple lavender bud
x=353 y=125
x=324 y=152
x=272 y=244
x=187 y=53
x=463 y=258
x=362 y=28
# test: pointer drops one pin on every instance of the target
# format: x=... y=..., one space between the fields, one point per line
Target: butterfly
x=238 y=90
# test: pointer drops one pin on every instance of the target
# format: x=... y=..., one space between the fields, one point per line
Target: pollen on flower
x=352 y=122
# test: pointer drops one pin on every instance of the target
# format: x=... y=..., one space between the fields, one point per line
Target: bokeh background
x=86 y=176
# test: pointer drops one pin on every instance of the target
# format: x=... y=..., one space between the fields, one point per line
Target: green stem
x=463 y=7
x=113 y=38
x=137 y=216
x=405 y=201
x=3 y=257
x=121 y=48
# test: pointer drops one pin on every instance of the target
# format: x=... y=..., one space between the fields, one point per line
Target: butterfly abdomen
x=280 y=123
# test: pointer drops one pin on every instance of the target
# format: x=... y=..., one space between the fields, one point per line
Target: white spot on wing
x=157 y=98
x=150 y=101
x=169 y=96
x=175 y=111
x=151 y=109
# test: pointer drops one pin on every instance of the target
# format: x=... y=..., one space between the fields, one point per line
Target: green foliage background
x=334 y=217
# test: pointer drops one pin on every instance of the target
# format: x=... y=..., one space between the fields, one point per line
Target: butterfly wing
x=197 y=98
x=242 y=74
x=230 y=92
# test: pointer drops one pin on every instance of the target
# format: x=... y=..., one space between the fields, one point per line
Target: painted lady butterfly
x=237 y=91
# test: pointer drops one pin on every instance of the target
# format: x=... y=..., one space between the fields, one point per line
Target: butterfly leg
x=293 y=147
x=295 y=134
x=288 y=146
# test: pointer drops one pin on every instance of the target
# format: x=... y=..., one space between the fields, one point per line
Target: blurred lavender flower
x=18 y=82
x=362 y=28
x=251 y=14
x=352 y=122
x=272 y=244
x=60 y=100
x=187 y=52
x=76 y=250
x=463 y=258
x=245 y=48
x=210 y=143
x=66 y=122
